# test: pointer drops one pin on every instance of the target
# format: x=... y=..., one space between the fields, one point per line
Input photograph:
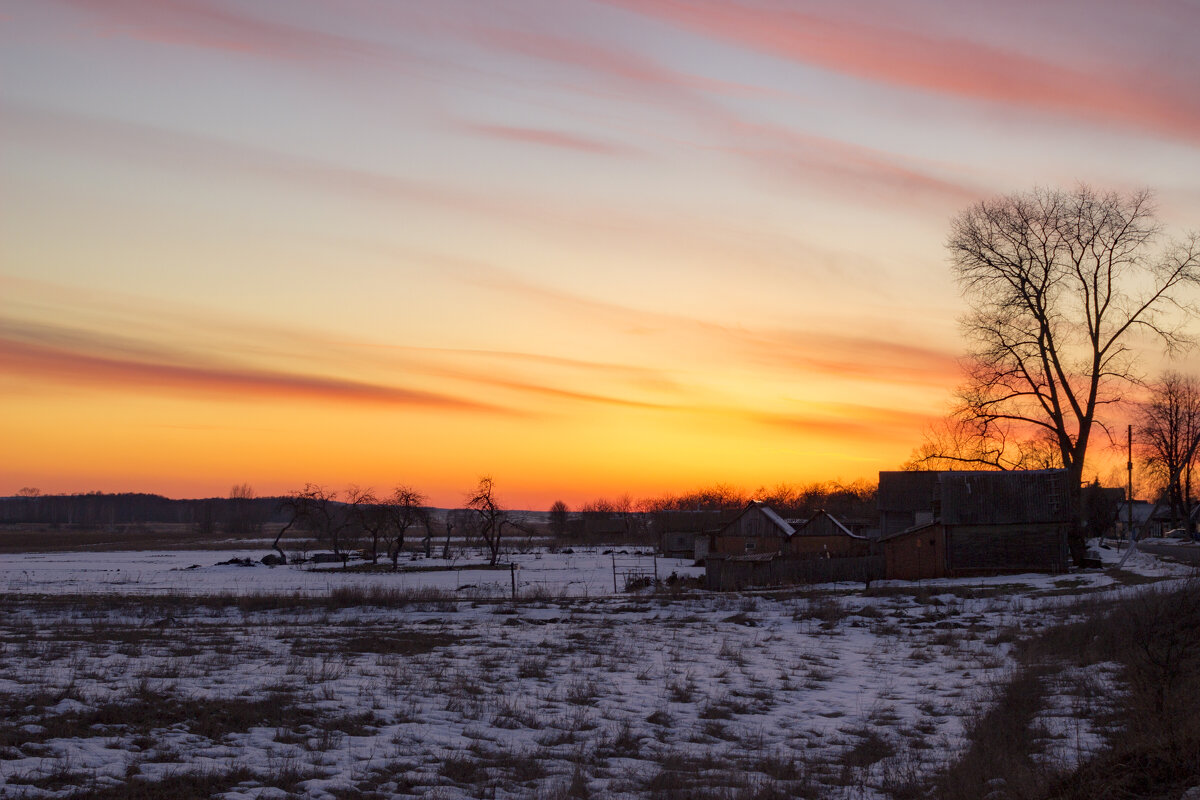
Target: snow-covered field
x=586 y=573
x=112 y=678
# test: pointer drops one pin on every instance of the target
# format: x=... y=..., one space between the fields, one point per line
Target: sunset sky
x=585 y=246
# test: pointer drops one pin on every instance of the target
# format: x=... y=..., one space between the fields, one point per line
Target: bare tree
x=365 y=513
x=1169 y=430
x=316 y=509
x=29 y=491
x=404 y=509
x=559 y=515
x=1059 y=283
x=490 y=515
x=243 y=515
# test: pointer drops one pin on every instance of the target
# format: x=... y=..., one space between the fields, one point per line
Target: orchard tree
x=1059 y=284
x=489 y=514
x=405 y=508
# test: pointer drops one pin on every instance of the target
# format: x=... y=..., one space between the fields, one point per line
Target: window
x=750 y=545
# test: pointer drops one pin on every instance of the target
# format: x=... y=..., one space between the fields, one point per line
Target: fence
x=730 y=574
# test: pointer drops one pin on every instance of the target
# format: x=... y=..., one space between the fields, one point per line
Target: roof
x=976 y=497
x=771 y=515
x=909 y=531
x=755 y=557
x=836 y=522
x=906 y=491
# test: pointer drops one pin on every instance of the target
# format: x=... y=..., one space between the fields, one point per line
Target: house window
x=750 y=546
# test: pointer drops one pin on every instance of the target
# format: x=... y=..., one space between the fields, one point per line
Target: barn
x=945 y=524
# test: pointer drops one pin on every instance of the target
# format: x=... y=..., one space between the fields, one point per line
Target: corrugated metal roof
x=978 y=497
x=906 y=491
x=1004 y=498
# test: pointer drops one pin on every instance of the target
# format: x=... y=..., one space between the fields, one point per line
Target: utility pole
x=1129 y=489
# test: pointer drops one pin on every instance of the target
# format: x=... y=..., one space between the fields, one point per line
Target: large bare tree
x=1060 y=283
x=1168 y=428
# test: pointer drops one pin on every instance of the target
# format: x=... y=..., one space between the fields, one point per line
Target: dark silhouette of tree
x=559 y=516
x=405 y=508
x=316 y=509
x=243 y=514
x=1059 y=283
x=1168 y=428
x=367 y=516
x=489 y=514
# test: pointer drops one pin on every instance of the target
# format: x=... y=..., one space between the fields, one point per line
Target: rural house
x=758 y=529
x=945 y=524
x=823 y=536
x=760 y=548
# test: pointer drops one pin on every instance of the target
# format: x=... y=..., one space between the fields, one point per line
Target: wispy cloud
x=942 y=63
x=848 y=421
x=225 y=27
x=547 y=138
x=842 y=167
x=60 y=355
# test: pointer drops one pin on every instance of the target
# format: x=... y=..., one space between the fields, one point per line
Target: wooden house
x=757 y=529
x=761 y=548
x=939 y=524
x=823 y=536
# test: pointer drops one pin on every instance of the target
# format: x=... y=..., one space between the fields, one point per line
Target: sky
x=587 y=247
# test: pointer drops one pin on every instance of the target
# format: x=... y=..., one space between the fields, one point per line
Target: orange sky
x=588 y=248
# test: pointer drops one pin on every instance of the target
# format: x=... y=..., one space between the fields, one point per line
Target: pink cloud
x=220 y=26
x=942 y=64
x=116 y=370
x=547 y=138
x=843 y=167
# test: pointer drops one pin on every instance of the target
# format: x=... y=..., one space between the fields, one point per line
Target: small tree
x=404 y=509
x=316 y=509
x=243 y=516
x=1169 y=428
x=364 y=509
x=490 y=515
x=559 y=515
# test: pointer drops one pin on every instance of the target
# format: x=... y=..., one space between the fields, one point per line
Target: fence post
x=512 y=569
x=614 y=560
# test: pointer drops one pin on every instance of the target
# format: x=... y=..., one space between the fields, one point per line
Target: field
x=130 y=675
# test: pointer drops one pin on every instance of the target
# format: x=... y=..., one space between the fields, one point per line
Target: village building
x=963 y=523
x=761 y=548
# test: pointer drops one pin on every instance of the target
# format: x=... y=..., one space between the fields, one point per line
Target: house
x=823 y=536
x=757 y=529
x=761 y=548
x=943 y=524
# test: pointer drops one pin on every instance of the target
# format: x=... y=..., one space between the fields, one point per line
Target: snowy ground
x=112 y=677
x=586 y=573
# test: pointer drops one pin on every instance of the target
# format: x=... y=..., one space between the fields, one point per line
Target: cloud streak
x=223 y=28
x=843 y=167
x=74 y=366
x=560 y=140
x=943 y=64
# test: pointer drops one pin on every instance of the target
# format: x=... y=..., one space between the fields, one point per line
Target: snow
x=833 y=687
x=585 y=573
